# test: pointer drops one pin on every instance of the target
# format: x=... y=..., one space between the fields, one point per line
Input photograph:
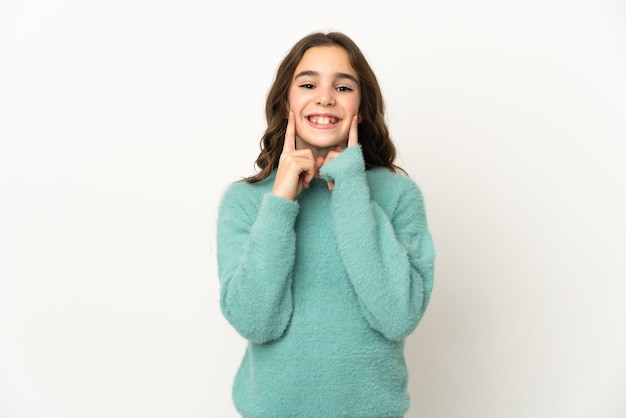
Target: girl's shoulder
x=242 y=191
x=393 y=190
x=386 y=179
x=243 y=186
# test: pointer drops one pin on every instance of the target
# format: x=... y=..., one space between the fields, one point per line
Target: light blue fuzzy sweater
x=325 y=288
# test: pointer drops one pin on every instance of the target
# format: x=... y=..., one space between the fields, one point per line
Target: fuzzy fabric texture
x=325 y=288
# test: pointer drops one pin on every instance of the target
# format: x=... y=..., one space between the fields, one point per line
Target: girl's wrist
x=346 y=164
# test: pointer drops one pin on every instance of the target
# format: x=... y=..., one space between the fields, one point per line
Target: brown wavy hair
x=378 y=148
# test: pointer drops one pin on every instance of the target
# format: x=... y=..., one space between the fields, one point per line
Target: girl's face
x=324 y=95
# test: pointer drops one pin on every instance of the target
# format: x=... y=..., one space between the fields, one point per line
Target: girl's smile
x=323 y=121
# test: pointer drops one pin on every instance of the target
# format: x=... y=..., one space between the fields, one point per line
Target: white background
x=121 y=123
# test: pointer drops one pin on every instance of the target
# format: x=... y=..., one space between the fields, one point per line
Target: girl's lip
x=325 y=115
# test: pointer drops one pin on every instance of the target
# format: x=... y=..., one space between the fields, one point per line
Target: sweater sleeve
x=255 y=255
x=388 y=257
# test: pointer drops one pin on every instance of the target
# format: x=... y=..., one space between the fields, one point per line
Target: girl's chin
x=319 y=145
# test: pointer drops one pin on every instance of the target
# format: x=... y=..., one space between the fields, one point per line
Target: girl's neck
x=317 y=151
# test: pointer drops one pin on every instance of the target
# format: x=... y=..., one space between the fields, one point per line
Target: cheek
x=294 y=101
x=353 y=106
x=290 y=101
x=293 y=95
x=292 y=105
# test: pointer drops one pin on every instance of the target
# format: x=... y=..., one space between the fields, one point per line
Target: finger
x=295 y=170
x=290 y=134
x=306 y=179
x=353 y=135
x=308 y=175
x=319 y=162
x=307 y=166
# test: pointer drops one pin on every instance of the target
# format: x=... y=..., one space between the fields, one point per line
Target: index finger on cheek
x=353 y=135
x=289 y=144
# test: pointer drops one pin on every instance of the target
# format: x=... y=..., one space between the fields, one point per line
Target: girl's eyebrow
x=306 y=73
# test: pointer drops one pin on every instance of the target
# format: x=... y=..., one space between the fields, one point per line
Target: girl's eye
x=344 y=88
x=307 y=85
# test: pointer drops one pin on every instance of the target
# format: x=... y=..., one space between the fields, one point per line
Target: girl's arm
x=389 y=257
x=255 y=254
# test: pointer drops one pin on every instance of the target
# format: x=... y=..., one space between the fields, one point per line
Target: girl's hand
x=353 y=139
x=296 y=168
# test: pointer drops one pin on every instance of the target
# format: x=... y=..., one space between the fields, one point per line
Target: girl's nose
x=325 y=98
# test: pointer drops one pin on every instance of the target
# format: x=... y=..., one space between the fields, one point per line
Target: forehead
x=326 y=60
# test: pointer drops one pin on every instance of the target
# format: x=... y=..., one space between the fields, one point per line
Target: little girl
x=325 y=259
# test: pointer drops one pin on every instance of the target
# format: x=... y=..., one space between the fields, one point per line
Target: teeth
x=323 y=120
